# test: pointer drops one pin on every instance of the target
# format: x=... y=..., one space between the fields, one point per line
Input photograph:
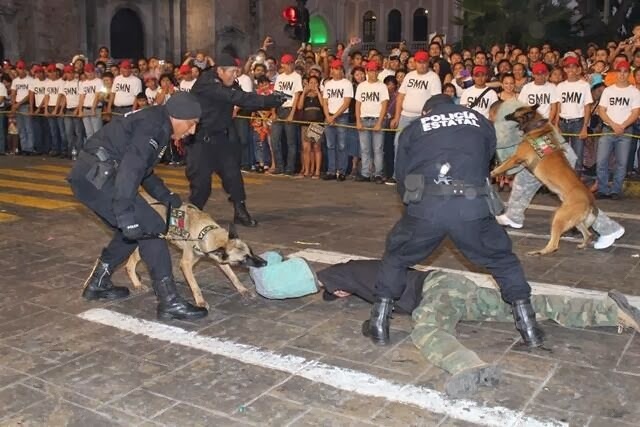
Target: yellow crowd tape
x=32 y=186
x=297 y=122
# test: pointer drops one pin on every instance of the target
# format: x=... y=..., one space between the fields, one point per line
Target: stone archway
x=127 y=35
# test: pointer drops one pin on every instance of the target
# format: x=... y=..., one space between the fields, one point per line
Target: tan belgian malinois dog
x=198 y=235
x=542 y=153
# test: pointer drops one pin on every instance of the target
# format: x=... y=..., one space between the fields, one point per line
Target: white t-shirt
x=185 y=86
x=3 y=93
x=470 y=94
x=371 y=96
x=71 y=92
x=385 y=73
x=126 y=89
x=245 y=83
x=289 y=84
x=619 y=102
x=90 y=88
x=39 y=89
x=21 y=86
x=573 y=98
x=151 y=95
x=53 y=88
x=543 y=95
x=417 y=89
x=335 y=92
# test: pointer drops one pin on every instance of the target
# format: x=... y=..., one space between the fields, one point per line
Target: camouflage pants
x=525 y=185
x=448 y=298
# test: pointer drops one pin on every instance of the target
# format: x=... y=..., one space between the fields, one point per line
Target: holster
x=413 y=189
x=103 y=167
x=496 y=205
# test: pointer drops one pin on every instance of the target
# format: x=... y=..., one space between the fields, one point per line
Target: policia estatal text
x=442 y=168
x=106 y=178
x=211 y=151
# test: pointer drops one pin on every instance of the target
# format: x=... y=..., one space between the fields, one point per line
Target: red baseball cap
x=51 y=68
x=479 y=69
x=287 y=59
x=371 y=66
x=67 y=69
x=184 y=69
x=421 y=56
x=21 y=65
x=37 y=69
x=89 y=68
x=622 y=65
x=570 y=60
x=125 y=64
x=539 y=68
x=336 y=63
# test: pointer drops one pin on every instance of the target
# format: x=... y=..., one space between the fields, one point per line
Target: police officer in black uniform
x=211 y=151
x=110 y=169
x=442 y=169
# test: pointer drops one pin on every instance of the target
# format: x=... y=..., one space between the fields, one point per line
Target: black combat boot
x=241 y=215
x=99 y=285
x=526 y=324
x=171 y=305
x=377 y=327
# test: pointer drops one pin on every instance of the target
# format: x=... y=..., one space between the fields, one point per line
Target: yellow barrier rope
x=297 y=122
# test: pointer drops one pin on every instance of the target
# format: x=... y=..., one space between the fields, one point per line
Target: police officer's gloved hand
x=174 y=200
x=132 y=232
x=130 y=227
x=275 y=100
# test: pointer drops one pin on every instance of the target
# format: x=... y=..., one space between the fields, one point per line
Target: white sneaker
x=607 y=240
x=505 y=220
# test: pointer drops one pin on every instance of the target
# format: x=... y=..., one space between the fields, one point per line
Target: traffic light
x=297 y=18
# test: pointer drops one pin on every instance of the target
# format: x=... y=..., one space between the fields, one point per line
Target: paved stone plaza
x=57 y=368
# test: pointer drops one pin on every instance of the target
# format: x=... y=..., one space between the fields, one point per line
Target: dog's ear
x=511 y=117
x=221 y=254
x=233 y=233
x=535 y=107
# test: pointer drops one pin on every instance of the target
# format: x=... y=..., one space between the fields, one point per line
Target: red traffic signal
x=290 y=14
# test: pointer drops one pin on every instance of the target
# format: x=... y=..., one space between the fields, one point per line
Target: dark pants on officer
x=481 y=240
x=215 y=155
x=154 y=252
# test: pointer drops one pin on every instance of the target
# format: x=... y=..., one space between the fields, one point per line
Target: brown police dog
x=198 y=235
x=541 y=153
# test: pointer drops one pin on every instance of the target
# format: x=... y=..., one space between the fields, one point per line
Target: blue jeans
x=56 y=131
x=574 y=126
x=92 y=124
x=336 y=137
x=371 y=143
x=74 y=131
x=25 y=129
x=618 y=144
x=290 y=131
x=3 y=133
x=635 y=130
x=41 y=135
x=403 y=123
x=262 y=153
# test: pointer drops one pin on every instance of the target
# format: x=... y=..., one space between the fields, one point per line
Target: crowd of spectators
x=347 y=105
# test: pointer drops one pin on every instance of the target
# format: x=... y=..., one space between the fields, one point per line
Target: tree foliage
x=520 y=22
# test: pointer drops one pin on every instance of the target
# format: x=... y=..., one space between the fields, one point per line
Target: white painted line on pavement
x=566 y=239
x=484 y=280
x=341 y=378
x=619 y=215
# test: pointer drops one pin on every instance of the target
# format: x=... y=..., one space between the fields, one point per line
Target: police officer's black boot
x=526 y=324
x=171 y=305
x=99 y=285
x=377 y=327
x=241 y=215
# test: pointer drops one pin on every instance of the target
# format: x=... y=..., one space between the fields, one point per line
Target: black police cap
x=225 y=60
x=437 y=100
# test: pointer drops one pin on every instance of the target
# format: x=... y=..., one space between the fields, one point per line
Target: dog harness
x=544 y=145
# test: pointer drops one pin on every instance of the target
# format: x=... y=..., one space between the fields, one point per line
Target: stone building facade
x=55 y=30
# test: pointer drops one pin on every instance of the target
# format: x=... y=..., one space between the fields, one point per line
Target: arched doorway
x=420 y=25
x=394 y=26
x=1 y=51
x=369 y=21
x=319 y=30
x=127 y=35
